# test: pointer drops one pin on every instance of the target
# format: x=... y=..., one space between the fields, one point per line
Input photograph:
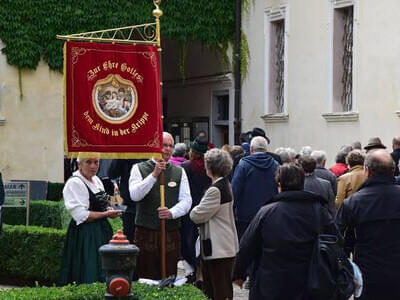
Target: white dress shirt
x=139 y=188
x=76 y=195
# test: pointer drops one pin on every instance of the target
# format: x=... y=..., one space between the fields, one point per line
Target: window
x=275 y=62
x=342 y=56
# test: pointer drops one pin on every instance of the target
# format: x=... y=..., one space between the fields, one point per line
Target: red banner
x=112 y=100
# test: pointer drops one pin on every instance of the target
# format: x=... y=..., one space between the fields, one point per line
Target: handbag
x=330 y=274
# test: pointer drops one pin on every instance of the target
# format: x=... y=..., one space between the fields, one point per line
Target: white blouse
x=76 y=195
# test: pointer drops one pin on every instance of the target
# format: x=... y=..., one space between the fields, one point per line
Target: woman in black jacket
x=280 y=240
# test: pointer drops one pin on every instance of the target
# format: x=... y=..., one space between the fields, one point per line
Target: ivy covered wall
x=28 y=28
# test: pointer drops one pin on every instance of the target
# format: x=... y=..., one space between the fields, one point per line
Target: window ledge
x=2 y=121
x=275 y=118
x=341 y=116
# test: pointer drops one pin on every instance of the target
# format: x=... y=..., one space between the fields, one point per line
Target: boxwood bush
x=54 y=191
x=31 y=253
x=96 y=291
x=41 y=213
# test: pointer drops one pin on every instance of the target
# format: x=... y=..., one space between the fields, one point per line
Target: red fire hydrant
x=118 y=260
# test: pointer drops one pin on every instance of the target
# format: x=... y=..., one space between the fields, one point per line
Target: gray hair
x=292 y=153
x=319 y=156
x=283 y=154
x=258 y=144
x=218 y=162
x=305 y=151
x=346 y=148
x=179 y=150
x=168 y=135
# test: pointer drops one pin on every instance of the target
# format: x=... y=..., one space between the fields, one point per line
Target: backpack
x=330 y=274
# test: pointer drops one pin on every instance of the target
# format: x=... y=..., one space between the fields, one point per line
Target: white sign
x=17 y=195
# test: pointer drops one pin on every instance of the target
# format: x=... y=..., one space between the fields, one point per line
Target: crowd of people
x=243 y=214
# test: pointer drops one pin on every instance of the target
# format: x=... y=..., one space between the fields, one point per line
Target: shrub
x=31 y=253
x=34 y=253
x=41 y=213
x=96 y=291
x=54 y=191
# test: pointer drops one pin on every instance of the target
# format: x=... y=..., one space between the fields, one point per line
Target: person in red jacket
x=340 y=167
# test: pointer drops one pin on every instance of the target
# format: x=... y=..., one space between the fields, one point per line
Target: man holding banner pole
x=144 y=188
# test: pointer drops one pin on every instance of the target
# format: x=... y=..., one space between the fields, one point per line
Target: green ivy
x=28 y=28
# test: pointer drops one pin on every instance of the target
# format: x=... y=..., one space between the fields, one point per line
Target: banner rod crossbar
x=144 y=34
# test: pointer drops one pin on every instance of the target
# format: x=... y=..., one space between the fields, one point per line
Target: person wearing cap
x=144 y=189
x=86 y=201
x=252 y=134
x=198 y=182
x=373 y=144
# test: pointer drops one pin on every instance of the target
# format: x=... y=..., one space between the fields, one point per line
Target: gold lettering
x=87 y=117
x=101 y=129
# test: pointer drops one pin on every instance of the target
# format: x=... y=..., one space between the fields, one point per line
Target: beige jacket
x=349 y=183
x=217 y=222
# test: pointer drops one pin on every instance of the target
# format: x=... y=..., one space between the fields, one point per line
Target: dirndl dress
x=81 y=261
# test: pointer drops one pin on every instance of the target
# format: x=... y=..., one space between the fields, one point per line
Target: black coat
x=121 y=168
x=280 y=241
x=373 y=213
x=396 y=157
x=199 y=182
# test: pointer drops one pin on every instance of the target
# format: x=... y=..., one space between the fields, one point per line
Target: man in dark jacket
x=396 y=154
x=317 y=185
x=253 y=183
x=280 y=240
x=252 y=134
x=373 y=215
x=320 y=170
x=121 y=168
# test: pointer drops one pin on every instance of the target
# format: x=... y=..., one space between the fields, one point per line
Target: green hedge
x=96 y=292
x=54 y=191
x=41 y=213
x=34 y=253
x=31 y=253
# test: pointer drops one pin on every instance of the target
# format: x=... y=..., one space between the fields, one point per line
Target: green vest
x=146 y=209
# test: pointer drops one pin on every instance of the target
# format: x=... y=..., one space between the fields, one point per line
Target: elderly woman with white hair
x=218 y=238
x=89 y=228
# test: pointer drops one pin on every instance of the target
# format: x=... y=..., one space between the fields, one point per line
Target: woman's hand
x=113 y=213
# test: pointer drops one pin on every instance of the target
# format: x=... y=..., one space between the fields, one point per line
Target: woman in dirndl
x=89 y=228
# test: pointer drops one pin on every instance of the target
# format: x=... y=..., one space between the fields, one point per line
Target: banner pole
x=157 y=13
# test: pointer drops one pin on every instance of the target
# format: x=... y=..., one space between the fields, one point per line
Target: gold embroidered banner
x=112 y=100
